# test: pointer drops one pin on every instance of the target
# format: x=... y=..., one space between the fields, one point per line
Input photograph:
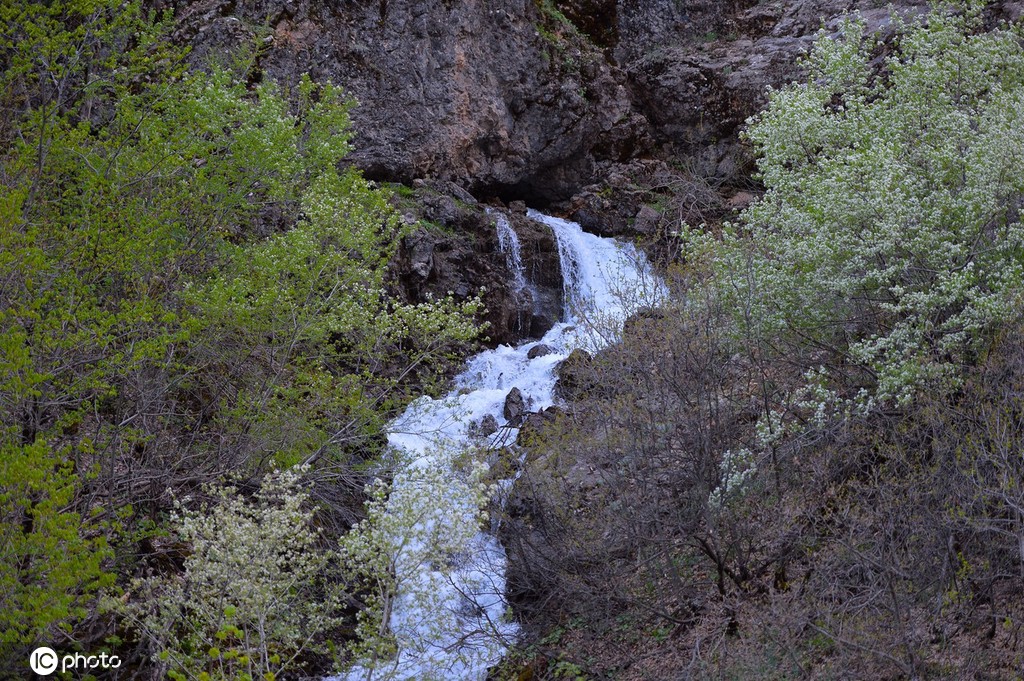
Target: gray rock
x=421 y=257
x=515 y=407
x=488 y=425
x=539 y=350
x=575 y=375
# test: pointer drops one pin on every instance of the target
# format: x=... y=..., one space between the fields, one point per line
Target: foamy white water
x=450 y=619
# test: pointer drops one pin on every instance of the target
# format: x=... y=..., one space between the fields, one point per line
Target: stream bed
x=450 y=617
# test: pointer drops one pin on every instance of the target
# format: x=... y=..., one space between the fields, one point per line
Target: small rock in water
x=488 y=425
x=515 y=407
x=539 y=350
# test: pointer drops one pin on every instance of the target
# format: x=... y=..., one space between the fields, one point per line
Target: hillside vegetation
x=193 y=296
x=808 y=466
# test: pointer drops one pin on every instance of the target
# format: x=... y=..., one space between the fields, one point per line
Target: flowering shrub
x=258 y=590
x=889 y=235
x=411 y=556
x=251 y=598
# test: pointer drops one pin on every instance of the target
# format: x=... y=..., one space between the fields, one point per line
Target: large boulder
x=488 y=425
x=543 y=272
x=515 y=407
x=576 y=376
x=539 y=350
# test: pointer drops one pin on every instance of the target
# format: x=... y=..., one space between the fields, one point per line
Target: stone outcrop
x=502 y=97
x=543 y=272
x=708 y=67
x=456 y=250
x=539 y=350
x=488 y=425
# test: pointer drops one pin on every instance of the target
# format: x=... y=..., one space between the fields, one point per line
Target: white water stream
x=450 y=618
x=508 y=242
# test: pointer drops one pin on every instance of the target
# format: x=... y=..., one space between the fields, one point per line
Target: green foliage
x=549 y=10
x=313 y=303
x=190 y=286
x=889 y=235
x=560 y=35
x=51 y=559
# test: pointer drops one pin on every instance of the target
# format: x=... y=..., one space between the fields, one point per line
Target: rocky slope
x=535 y=99
x=501 y=96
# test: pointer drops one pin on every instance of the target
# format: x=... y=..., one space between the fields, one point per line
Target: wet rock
x=543 y=271
x=456 y=250
x=539 y=350
x=515 y=407
x=488 y=426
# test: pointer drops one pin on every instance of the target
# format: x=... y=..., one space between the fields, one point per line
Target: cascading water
x=508 y=242
x=450 y=619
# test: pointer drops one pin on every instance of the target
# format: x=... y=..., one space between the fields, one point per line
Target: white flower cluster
x=736 y=467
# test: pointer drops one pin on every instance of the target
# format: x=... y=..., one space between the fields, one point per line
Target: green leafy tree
x=889 y=239
x=190 y=286
x=51 y=559
x=321 y=350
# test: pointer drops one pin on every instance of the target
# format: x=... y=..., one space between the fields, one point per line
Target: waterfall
x=508 y=243
x=450 y=618
x=604 y=282
x=524 y=293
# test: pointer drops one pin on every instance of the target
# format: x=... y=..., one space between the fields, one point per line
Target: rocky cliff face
x=499 y=96
x=536 y=99
x=622 y=114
